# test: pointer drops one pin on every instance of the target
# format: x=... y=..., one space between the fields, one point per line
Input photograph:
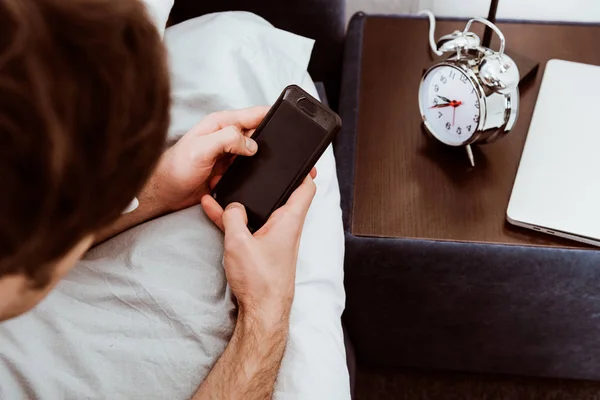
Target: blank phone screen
x=285 y=145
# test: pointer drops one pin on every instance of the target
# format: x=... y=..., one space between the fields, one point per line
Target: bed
x=146 y=314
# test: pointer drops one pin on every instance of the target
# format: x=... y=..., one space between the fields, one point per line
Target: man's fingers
x=213 y=210
x=246 y=119
x=313 y=173
x=293 y=213
x=235 y=221
x=229 y=140
x=300 y=200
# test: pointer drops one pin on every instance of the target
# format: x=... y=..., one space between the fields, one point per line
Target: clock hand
x=453 y=115
x=454 y=104
x=448 y=103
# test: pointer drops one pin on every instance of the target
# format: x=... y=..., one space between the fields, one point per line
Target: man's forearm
x=249 y=365
x=149 y=208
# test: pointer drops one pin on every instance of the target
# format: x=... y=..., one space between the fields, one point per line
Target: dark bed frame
x=322 y=20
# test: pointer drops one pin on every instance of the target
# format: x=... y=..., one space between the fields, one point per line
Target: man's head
x=84 y=110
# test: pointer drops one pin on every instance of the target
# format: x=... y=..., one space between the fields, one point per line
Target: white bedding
x=147 y=314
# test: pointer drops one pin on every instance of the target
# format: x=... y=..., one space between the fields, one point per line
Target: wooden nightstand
x=435 y=277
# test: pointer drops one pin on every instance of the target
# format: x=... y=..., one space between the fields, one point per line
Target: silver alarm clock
x=472 y=96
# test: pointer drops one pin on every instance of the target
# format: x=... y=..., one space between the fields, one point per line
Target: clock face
x=450 y=105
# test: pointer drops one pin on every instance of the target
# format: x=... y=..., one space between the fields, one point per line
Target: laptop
x=557 y=187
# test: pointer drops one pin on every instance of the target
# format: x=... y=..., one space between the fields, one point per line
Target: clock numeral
x=436 y=88
x=476 y=119
x=469 y=128
x=477 y=104
x=443 y=79
x=452 y=75
x=440 y=115
x=463 y=78
x=458 y=131
x=473 y=91
x=448 y=125
x=435 y=101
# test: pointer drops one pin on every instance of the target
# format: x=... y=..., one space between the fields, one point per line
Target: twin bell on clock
x=472 y=96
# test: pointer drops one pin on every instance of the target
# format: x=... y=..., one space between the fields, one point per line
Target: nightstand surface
x=409 y=186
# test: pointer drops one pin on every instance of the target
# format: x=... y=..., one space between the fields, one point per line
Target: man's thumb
x=235 y=220
x=229 y=140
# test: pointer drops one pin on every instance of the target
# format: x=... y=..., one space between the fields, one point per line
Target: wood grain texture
x=408 y=185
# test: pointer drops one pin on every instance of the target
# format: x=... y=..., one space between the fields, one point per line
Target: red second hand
x=453 y=115
x=454 y=104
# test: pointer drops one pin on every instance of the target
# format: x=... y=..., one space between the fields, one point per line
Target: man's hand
x=261 y=270
x=185 y=171
x=203 y=154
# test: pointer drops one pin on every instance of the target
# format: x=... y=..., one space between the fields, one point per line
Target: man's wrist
x=264 y=322
x=150 y=199
x=258 y=345
x=267 y=314
x=249 y=365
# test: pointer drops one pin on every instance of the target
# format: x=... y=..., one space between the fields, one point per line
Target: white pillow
x=159 y=10
x=148 y=313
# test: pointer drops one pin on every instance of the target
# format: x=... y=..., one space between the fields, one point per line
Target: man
x=84 y=100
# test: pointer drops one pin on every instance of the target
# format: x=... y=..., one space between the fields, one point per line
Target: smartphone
x=291 y=139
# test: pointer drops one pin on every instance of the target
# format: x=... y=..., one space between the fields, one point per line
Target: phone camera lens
x=307 y=106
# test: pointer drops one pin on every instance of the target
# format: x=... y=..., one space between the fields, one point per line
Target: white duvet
x=147 y=314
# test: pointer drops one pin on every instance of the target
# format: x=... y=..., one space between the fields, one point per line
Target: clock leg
x=470 y=154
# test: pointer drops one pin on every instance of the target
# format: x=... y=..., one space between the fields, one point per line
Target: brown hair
x=84 y=110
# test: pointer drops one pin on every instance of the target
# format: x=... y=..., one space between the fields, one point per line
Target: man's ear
x=19 y=294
